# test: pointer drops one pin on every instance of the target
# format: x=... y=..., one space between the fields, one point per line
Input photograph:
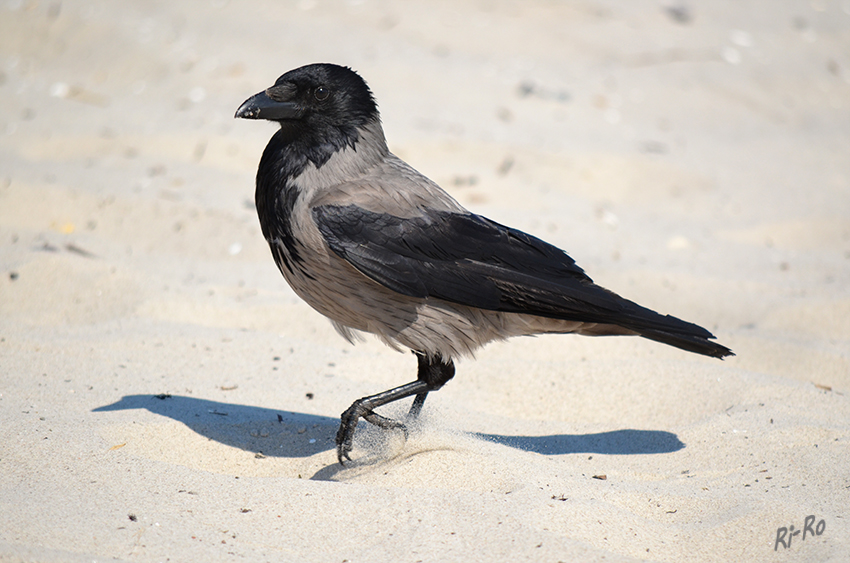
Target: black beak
x=261 y=106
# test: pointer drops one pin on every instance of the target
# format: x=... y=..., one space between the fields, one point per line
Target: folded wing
x=468 y=259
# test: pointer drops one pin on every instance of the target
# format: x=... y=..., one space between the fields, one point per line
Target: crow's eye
x=321 y=93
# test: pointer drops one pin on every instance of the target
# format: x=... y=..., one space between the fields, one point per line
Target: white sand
x=699 y=167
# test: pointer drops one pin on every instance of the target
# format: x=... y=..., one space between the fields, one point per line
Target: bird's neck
x=345 y=164
x=295 y=167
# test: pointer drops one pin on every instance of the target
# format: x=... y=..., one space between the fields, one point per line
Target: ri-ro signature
x=785 y=535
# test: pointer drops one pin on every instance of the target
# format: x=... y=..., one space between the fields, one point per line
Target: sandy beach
x=164 y=395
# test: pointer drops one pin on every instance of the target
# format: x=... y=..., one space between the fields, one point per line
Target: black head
x=324 y=102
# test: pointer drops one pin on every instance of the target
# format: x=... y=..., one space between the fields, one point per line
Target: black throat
x=294 y=147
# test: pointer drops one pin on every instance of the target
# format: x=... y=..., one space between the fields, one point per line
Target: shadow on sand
x=255 y=428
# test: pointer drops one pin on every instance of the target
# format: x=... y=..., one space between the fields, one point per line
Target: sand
x=164 y=396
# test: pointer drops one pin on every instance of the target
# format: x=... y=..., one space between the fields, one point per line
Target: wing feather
x=468 y=259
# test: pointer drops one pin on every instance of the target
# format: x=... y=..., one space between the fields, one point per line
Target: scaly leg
x=433 y=374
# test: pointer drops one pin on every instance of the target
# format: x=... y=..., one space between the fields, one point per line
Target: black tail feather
x=691 y=343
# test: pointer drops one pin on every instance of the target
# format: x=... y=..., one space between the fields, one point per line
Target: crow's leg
x=362 y=408
x=416 y=407
x=433 y=374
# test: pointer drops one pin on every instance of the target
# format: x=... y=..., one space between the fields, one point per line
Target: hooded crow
x=377 y=247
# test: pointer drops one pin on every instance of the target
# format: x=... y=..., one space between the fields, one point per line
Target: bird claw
x=348 y=424
x=345 y=434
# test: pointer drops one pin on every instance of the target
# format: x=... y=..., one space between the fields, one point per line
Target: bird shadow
x=280 y=433
x=616 y=442
x=271 y=432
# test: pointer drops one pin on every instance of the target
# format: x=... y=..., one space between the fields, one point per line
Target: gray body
x=375 y=179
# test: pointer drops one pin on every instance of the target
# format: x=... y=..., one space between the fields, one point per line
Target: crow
x=377 y=247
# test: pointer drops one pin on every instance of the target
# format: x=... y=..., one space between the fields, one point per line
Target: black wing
x=468 y=259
